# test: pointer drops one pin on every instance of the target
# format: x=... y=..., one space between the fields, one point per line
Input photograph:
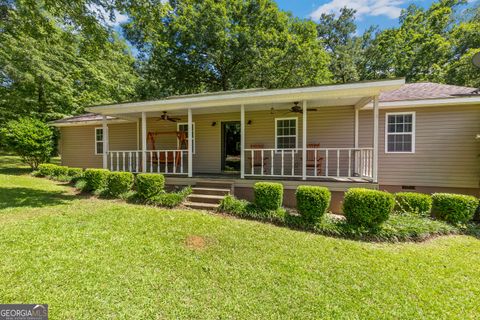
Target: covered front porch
x=289 y=134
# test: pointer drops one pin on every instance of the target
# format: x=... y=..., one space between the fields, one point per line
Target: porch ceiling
x=321 y=96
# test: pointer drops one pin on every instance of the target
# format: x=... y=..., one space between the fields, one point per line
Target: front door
x=231 y=146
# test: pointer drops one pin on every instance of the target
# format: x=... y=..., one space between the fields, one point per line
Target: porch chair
x=311 y=158
x=257 y=158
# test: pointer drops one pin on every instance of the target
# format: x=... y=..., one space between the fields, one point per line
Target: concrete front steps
x=207 y=195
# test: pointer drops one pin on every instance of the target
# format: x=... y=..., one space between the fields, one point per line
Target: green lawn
x=100 y=259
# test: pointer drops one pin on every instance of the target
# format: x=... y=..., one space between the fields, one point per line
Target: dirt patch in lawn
x=196 y=242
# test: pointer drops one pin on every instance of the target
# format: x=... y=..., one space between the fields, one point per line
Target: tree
x=431 y=44
x=29 y=138
x=339 y=40
x=193 y=46
x=51 y=66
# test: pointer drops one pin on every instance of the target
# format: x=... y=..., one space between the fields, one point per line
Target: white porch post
x=242 y=141
x=190 y=139
x=105 y=142
x=304 y=140
x=375 y=140
x=144 y=141
x=356 y=128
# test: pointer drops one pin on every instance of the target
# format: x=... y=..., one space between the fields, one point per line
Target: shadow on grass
x=26 y=197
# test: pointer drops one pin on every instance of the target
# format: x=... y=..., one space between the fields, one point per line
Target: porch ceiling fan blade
x=172 y=119
x=311 y=109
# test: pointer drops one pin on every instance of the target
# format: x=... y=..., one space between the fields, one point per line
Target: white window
x=285 y=133
x=184 y=127
x=400 y=132
x=98 y=140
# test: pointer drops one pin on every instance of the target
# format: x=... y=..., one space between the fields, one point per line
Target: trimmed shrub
x=454 y=208
x=312 y=202
x=150 y=185
x=119 y=183
x=367 y=208
x=268 y=195
x=75 y=172
x=46 y=169
x=60 y=171
x=234 y=206
x=412 y=202
x=96 y=179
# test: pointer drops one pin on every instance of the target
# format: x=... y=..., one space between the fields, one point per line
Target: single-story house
x=385 y=135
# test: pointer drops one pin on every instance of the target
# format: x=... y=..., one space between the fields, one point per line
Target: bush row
x=150 y=188
x=362 y=207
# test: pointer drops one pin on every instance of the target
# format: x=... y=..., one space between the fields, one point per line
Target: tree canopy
x=59 y=56
x=54 y=63
x=209 y=45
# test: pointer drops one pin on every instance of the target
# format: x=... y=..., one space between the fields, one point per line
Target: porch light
x=214 y=123
x=249 y=122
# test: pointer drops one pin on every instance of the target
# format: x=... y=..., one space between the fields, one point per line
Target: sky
x=383 y=13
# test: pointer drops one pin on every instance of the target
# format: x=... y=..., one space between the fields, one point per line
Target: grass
x=89 y=258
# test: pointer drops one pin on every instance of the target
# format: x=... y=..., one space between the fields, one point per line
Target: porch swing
x=168 y=157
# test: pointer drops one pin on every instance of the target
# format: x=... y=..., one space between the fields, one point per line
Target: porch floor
x=236 y=176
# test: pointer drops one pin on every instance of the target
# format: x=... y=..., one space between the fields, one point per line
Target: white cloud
x=388 y=8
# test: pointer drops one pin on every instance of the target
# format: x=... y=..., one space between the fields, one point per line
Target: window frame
x=412 y=133
x=194 y=145
x=97 y=141
x=279 y=150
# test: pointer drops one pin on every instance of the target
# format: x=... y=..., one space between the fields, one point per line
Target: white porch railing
x=321 y=162
x=157 y=161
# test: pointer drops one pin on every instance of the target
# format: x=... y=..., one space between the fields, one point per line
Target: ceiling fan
x=297 y=109
x=166 y=117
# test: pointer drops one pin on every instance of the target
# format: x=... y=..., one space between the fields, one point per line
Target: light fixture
x=214 y=123
x=249 y=122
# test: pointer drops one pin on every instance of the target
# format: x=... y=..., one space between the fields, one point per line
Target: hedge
x=119 y=183
x=60 y=171
x=75 y=172
x=454 y=208
x=367 y=208
x=268 y=195
x=412 y=202
x=96 y=179
x=46 y=169
x=150 y=185
x=312 y=202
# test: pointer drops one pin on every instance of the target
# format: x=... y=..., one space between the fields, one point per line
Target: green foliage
x=234 y=206
x=29 y=138
x=81 y=184
x=268 y=195
x=58 y=57
x=150 y=185
x=60 y=171
x=75 y=173
x=119 y=183
x=172 y=199
x=454 y=208
x=221 y=45
x=367 y=208
x=406 y=227
x=312 y=202
x=96 y=179
x=412 y=202
x=46 y=169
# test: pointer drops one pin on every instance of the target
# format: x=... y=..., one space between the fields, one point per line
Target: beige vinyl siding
x=78 y=143
x=446 y=151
